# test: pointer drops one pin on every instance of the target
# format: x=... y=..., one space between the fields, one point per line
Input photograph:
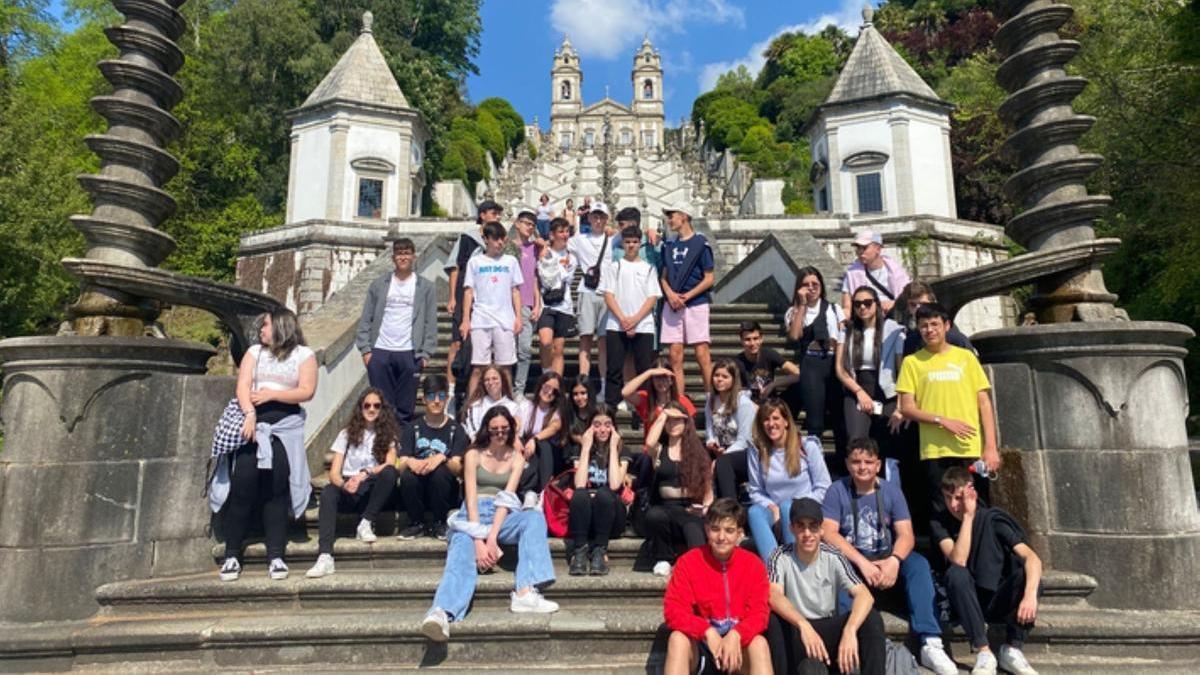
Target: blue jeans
x=526 y=529
x=760 y=528
x=916 y=579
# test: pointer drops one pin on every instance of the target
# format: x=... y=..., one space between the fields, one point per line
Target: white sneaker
x=277 y=570
x=623 y=406
x=324 y=567
x=532 y=603
x=934 y=657
x=1012 y=660
x=533 y=500
x=231 y=569
x=985 y=664
x=436 y=625
x=662 y=568
x=366 y=533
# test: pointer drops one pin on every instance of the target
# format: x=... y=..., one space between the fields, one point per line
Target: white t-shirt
x=493 y=281
x=356 y=457
x=558 y=269
x=276 y=375
x=631 y=283
x=540 y=417
x=544 y=211
x=474 y=415
x=833 y=319
x=587 y=250
x=395 y=331
x=881 y=275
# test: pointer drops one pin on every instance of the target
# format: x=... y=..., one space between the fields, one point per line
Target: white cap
x=600 y=207
x=682 y=207
x=868 y=237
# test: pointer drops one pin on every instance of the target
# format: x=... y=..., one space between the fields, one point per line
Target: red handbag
x=556 y=502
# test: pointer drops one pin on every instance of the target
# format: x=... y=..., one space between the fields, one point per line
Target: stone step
x=351 y=636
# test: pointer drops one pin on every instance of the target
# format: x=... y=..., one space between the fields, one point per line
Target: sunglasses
x=498 y=431
x=864 y=303
x=372 y=406
x=438 y=396
x=808 y=527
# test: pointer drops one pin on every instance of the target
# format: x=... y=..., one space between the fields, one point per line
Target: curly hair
x=387 y=431
x=695 y=466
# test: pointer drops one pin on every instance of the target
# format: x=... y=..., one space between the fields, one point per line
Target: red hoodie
x=703 y=588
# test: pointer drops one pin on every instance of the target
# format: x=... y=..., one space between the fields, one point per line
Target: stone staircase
x=366 y=616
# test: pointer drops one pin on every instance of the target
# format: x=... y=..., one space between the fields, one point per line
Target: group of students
x=498 y=457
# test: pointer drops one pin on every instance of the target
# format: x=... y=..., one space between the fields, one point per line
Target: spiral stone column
x=128 y=201
x=1091 y=407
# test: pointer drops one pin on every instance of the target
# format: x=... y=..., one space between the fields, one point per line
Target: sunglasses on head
x=372 y=406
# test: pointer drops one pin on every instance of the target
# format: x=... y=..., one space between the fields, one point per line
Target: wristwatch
x=937 y=419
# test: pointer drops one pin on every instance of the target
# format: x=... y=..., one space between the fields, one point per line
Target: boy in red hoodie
x=716 y=601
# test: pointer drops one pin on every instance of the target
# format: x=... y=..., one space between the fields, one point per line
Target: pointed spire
x=874 y=69
x=362 y=75
x=367 y=20
x=868 y=15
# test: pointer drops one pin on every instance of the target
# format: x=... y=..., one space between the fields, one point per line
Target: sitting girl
x=648 y=401
x=493 y=388
x=728 y=424
x=781 y=470
x=362 y=476
x=577 y=416
x=681 y=487
x=492 y=515
x=541 y=429
x=597 y=512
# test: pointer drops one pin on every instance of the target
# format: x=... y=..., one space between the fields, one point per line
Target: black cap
x=488 y=205
x=805 y=508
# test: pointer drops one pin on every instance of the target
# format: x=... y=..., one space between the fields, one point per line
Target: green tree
x=511 y=122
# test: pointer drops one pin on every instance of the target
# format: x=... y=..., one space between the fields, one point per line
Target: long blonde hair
x=793 y=450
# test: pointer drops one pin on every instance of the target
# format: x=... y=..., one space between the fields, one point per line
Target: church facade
x=575 y=126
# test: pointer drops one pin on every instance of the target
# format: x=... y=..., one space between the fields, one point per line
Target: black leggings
x=820 y=398
x=265 y=488
x=641 y=346
x=671 y=523
x=789 y=656
x=545 y=464
x=436 y=491
x=861 y=424
x=369 y=500
x=596 y=515
x=729 y=471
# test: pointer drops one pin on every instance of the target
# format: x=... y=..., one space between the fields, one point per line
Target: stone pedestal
x=1092 y=431
x=103 y=468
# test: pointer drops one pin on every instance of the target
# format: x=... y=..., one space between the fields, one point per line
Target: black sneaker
x=440 y=531
x=599 y=564
x=579 y=562
x=411 y=532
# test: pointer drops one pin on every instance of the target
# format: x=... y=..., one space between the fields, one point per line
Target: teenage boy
x=867 y=521
x=397 y=330
x=760 y=364
x=589 y=250
x=716 y=601
x=492 y=304
x=805 y=627
x=528 y=249
x=630 y=288
x=687 y=275
x=944 y=388
x=872 y=268
x=468 y=244
x=993 y=574
x=556 y=269
x=430 y=447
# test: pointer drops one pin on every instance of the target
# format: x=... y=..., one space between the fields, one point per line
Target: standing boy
x=867 y=521
x=589 y=250
x=805 y=623
x=716 y=601
x=944 y=388
x=492 y=304
x=556 y=268
x=468 y=244
x=397 y=331
x=687 y=275
x=630 y=288
x=528 y=249
x=993 y=575
x=872 y=268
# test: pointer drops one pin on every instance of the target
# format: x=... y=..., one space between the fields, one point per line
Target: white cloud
x=848 y=17
x=608 y=29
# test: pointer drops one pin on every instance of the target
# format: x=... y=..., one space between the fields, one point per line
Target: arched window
x=648 y=89
x=566 y=90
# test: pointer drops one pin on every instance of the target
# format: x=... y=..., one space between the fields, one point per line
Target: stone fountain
x=107 y=425
x=1091 y=406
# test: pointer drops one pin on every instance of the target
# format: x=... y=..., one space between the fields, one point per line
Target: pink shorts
x=493 y=345
x=689 y=327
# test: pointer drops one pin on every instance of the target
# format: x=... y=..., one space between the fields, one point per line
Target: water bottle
x=979 y=467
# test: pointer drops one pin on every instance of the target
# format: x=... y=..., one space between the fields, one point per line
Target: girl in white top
x=541 y=425
x=816 y=324
x=866 y=368
x=274 y=378
x=362 y=475
x=728 y=425
x=494 y=388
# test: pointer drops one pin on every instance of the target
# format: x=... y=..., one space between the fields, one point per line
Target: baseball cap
x=600 y=207
x=867 y=237
x=805 y=508
x=682 y=207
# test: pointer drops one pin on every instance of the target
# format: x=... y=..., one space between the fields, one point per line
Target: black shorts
x=456 y=324
x=563 y=325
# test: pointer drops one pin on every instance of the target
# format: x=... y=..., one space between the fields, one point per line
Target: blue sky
x=698 y=40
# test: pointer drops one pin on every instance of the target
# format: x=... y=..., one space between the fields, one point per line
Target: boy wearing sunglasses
x=430 y=459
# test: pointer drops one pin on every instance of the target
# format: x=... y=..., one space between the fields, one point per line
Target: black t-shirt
x=993 y=539
x=756 y=374
x=422 y=441
x=597 y=475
